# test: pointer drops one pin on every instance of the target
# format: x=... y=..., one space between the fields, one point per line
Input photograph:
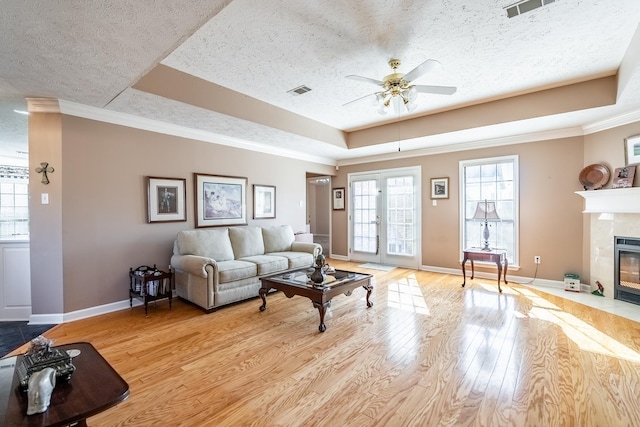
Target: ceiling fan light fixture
x=411 y=94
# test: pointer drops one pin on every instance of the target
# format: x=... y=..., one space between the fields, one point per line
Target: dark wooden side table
x=94 y=387
x=150 y=284
x=477 y=254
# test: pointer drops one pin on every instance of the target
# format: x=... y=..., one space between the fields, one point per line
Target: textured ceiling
x=96 y=53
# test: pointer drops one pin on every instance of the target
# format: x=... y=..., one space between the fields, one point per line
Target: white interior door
x=385 y=217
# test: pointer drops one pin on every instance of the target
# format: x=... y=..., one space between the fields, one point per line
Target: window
x=494 y=179
x=14 y=202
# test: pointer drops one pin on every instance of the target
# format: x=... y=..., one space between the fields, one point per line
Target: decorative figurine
x=318 y=275
x=600 y=291
x=41 y=384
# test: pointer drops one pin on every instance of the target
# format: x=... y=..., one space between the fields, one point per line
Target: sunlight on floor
x=406 y=295
x=584 y=335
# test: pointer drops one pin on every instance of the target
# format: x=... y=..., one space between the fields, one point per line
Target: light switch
x=434 y=202
x=44 y=198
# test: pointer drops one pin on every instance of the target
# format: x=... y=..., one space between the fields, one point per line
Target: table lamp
x=486 y=211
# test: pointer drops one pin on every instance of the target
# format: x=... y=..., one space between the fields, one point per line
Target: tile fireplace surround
x=614 y=212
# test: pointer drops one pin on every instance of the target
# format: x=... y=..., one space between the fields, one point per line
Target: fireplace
x=626 y=279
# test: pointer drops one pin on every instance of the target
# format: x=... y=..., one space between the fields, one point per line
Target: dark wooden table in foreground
x=296 y=283
x=94 y=387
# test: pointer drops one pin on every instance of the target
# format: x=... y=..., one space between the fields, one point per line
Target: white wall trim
x=143 y=123
x=621 y=120
x=57 y=318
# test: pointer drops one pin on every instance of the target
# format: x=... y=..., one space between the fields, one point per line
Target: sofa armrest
x=312 y=248
x=193 y=264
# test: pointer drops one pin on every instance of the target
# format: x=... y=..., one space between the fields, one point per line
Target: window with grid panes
x=494 y=179
x=14 y=202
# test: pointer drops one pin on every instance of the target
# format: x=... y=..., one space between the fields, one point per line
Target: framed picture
x=623 y=177
x=220 y=200
x=439 y=188
x=264 y=201
x=338 y=199
x=166 y=199
x=632 y=150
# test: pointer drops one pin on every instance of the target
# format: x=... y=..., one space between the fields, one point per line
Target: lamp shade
x=486 y=211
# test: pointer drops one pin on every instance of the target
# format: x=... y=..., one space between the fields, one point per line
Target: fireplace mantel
x=616 y=200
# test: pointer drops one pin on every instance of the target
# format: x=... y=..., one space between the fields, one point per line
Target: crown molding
x=620 y=120
x=151 y=125
x=43 y=105
x=469 y=145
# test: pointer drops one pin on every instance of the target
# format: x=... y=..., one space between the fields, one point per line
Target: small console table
x=150 y=284
x=477 y=254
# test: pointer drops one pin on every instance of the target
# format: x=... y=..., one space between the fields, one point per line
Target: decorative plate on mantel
x=594 y=177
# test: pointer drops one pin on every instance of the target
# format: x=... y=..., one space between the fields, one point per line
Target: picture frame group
x=219 y=200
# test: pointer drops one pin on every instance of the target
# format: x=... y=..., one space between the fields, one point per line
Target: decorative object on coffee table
x=41 y=385
x=42 y=354
x=318 y=276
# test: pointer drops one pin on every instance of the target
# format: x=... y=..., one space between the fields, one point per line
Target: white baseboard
x=494 y=276
x=57 y=318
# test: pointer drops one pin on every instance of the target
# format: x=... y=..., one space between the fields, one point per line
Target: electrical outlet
x=536 y=259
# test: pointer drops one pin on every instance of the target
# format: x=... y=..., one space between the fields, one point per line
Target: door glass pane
x=399 y=214
x=365 y=195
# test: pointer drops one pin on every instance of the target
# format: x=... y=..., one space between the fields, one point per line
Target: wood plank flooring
x=428 y=353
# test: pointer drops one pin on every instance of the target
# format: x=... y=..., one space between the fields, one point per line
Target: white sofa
x=219 y=266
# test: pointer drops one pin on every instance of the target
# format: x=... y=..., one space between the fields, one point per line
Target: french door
x=384 y=217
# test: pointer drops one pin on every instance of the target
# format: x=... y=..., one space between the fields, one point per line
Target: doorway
x=384 y=217
x=319 y=211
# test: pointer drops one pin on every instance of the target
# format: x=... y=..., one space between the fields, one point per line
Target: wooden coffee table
x=94 y=387
x=296 y=283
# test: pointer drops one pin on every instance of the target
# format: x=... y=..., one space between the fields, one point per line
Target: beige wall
x=94 y=229
x=550 y=212
x=99 y=195
x=45 y=221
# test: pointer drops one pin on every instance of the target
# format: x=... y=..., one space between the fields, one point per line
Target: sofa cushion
x=229 y=271
x=246 y=241
x=268 y=264
x=277 y=239
x=295 y=259
x=208 y=243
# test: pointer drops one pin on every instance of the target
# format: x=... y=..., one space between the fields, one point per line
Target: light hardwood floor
x=428 y=353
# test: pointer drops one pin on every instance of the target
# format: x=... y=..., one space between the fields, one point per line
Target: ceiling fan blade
x=426 y=66
x=362 y=98
x=365 y=79
x=439 y=90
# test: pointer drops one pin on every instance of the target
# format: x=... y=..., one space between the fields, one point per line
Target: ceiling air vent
x=299 y=90
x=525 y=6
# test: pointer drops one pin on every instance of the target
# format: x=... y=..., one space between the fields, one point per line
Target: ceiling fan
x=397 y=87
